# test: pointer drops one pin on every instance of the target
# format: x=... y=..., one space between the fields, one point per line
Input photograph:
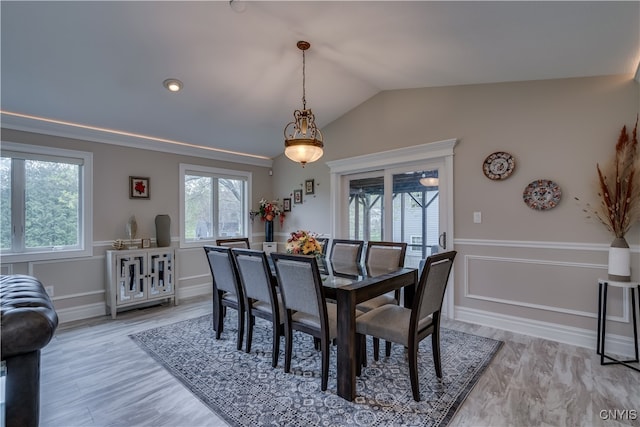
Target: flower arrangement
x=303 y=243
x=269 y=210
x=619 y=187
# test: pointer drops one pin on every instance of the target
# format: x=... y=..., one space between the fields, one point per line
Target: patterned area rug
x=245 y=390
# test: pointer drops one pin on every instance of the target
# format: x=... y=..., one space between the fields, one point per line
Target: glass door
x=366 y=206
x=416 y=213
x=400 y=205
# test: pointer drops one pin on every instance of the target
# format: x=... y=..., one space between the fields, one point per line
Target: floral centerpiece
x=304 y=243
x=269 y=210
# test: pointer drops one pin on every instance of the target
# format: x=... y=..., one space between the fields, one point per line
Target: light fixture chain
x=304 y=98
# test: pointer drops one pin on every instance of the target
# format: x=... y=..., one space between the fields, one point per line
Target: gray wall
x=519 y=269
x=532 y=271
x=79 y=283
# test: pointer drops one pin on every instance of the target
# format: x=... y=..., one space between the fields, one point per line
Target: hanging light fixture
x=302 y=139
x=429 y=181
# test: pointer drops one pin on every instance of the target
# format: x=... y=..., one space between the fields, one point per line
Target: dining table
x=350 y=284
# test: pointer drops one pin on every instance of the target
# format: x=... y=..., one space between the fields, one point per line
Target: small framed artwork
x=308 y=186
x=297 y=196
x=286 y=205
x=138 y=187
x=146 y=243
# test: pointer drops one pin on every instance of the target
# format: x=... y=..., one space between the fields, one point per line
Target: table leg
x=346 y=369
x=598 y=338
x=604 y=323
x=635 y=323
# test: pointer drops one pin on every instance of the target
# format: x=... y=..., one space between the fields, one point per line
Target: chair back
x=385 y=254
x=255 y=274
x=346 y=251
x=300 y=283
x=324 y=242
x=236 y=242
x=432 y=285
x=223 y=269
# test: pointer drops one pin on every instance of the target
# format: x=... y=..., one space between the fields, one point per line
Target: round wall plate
x=498 y=165
x=542 y=195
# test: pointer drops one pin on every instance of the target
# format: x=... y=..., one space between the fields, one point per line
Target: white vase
x=619 y=260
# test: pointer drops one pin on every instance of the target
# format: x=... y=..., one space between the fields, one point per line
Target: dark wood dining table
x=350 y=285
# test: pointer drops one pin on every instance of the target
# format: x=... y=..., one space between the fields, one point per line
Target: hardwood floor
x=93 y=374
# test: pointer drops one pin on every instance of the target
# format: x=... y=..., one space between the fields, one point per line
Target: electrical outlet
x=477 y=217
x=49 y=290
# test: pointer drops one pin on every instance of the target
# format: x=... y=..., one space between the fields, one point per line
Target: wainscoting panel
x=564 y=287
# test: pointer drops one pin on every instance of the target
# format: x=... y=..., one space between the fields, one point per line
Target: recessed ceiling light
x=174 y=85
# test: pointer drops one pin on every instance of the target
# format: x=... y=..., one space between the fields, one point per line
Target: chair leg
x=387 y=348
x=288 y=344
x=413 y=370
x=240 y=329
x=361 y=353
x=250 y=323
x=316 y=343
x=276 y=344
x=363 y=360
x=376 y=349
x=435 y=346
x=325 y=363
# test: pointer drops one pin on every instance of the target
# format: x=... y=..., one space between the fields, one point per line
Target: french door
x=400 y=204
x=404 y=194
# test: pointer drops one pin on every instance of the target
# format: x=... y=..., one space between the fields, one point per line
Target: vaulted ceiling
x=102 y=64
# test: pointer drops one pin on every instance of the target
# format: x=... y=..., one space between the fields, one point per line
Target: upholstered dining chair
x=346 y=251
x=324 y=242
x=409 y=326
x=236 y=242
x=226 y=288
x=306 y=308
x=260 y=296
x=379 y=257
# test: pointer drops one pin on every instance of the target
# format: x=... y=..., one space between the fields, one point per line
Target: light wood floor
x=93 y=374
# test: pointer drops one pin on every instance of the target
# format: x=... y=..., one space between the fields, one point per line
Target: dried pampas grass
x=619 y=186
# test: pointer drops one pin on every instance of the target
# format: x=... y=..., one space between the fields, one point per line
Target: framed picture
x=146 y=243
x=138 y=187
x=286 y=205
x=297 y=196
x=308 y=186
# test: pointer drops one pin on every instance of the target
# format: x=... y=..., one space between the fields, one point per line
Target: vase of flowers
x=304 y=243
x=268 y=212
x=619 y=209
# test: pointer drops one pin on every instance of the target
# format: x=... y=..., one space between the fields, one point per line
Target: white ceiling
x=102 y=64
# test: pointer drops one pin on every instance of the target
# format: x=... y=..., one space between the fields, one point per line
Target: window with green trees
x=42 y=200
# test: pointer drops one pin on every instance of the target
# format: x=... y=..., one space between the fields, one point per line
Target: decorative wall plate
x=499 y=165
x=542 y=195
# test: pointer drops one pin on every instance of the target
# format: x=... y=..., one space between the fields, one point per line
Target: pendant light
x=302 y=139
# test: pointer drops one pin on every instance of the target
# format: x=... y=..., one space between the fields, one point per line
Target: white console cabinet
x=138 y=276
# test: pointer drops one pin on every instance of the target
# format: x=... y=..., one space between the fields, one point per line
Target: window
x=214 y=204
x=45 y=201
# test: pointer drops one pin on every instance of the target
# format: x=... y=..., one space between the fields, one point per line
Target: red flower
x=139 y=187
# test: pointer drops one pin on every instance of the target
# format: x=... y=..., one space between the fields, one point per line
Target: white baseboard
x=82 y=312
x=98 y=309
x=194 y=291
x=616 y=344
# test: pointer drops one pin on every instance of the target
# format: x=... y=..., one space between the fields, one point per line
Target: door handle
x=442 y=241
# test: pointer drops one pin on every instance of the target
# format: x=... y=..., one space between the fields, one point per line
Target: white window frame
x=85 y=240
x=186 y=169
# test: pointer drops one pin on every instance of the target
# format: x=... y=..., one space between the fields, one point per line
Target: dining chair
x=379 y=257
x=409 y=326
x=306 y=308
x=324 y=242
x=226 y=288
x=260 y=296
x=346 y=250
x=236 y=242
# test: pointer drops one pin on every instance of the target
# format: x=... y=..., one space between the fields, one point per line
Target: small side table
x=603 y=286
